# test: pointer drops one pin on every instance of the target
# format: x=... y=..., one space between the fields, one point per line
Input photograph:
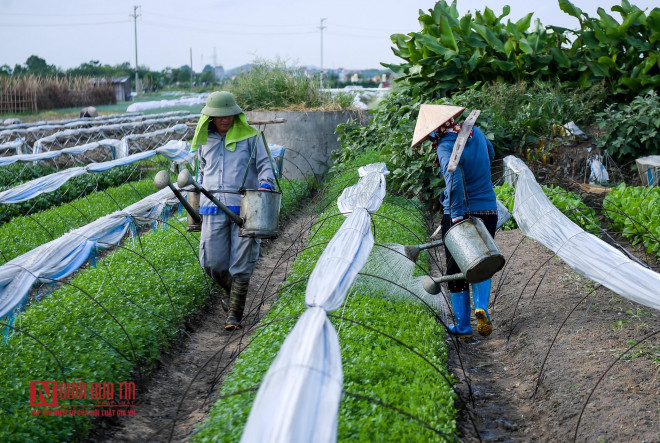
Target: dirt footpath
x=180 y=390
x=554 y=368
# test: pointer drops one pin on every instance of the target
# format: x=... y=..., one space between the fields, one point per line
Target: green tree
x=38 y=66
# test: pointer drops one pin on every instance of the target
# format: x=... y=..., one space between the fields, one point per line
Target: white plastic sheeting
x=17 y=146
x=180 y=129
x=111 y=144
x=35 y=131
x=184 y=101
x=298 y=400
x=125 y=128
x=539 y=219
x=62 y=256
x=61 y=122
x=174 y=150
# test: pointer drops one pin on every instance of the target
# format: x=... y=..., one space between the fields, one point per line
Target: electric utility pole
x=322 y=28
x=135 y=16
x=191 y=71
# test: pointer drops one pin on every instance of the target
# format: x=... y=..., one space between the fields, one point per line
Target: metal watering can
x=260 y=210
x=474 y=250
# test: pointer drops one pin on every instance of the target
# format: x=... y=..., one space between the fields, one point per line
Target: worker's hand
x=265 y=187
x=457 y=219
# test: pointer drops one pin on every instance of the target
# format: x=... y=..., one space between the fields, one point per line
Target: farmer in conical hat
x=225 y=141
x=472 y=179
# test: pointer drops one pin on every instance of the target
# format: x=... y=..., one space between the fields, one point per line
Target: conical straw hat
x=430 y=117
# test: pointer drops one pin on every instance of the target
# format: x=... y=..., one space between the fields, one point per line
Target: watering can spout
x=185 y=179
x=412 y=251
x=162 y=181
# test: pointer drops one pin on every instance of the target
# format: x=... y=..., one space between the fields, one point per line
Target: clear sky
x=67 y=33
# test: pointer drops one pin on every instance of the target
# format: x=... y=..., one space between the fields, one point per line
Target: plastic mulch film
x=198 y=99
x=538 y=218
x=64 y=255
x=181 y=129
x=113 y=145
x=368 y=193
x=298 y=399
x=33 y=132
x=18 y=147
x=59 y=139
x=74 y=120
x=174 y=150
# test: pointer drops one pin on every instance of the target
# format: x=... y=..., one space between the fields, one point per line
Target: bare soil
x=555 y=367
x=180 y=390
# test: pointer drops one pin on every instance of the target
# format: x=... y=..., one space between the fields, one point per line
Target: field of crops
x=110 y=330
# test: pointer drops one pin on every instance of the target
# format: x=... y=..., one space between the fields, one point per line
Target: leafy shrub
x=452 y=53
x=273 y=85
x=635 y=212
x=632 y=130
x=512 y=117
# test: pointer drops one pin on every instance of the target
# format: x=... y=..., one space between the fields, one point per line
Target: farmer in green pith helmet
x=226 y=142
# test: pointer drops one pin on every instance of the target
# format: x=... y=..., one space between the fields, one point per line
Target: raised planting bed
x=635 y=212
x=106 y=325
x=24 y=233
x=75 y=188
x=567 y=202
x=392 y=391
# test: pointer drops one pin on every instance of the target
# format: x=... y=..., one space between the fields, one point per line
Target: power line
x=217 y=31
x=363 y=28
x=31 y=14
x=342 y=34
x=232 y=24
x=58 y=25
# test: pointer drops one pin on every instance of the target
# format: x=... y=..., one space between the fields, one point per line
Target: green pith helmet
x=221 y=104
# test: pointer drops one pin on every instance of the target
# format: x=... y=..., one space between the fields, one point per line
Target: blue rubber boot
x=460 y=302
x=481 y=295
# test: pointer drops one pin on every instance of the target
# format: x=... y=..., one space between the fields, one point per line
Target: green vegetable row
x=20 y=172
x=569 y=203
x=109 y=322
x=24 y=233
x=75 y=188
x=377 y=369
x=635 y=212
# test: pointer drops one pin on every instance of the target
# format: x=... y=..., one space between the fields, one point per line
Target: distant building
x=122 y=87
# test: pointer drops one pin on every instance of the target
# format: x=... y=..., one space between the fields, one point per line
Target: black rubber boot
x=239 y=290
x=225 y=289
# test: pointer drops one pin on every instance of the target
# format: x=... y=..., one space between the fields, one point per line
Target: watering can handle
x=272 y=165
x=463 y=134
